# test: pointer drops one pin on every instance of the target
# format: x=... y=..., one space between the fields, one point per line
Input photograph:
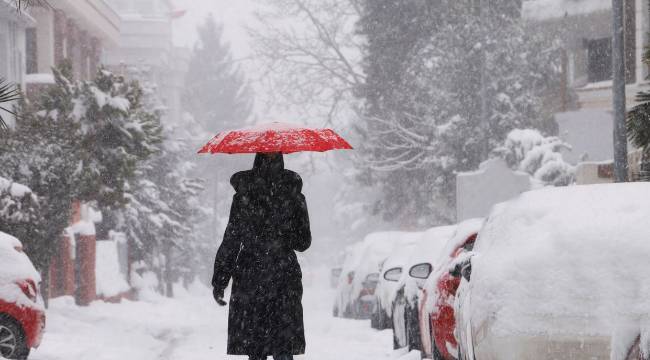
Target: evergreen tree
x=42 y=151
x=215 y=89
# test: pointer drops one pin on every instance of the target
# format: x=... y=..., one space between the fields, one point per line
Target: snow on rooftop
x=551 y=9
x=557 y=255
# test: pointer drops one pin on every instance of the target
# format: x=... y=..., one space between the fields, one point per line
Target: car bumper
x=543 y=347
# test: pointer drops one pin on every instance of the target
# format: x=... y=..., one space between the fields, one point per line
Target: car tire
x=412 y=329
x=436 y=353
x=15 y=346
x=375 y=319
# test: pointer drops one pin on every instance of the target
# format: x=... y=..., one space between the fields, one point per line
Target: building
x=146 y=50
x=13 y=29
x=585 y=28
x=79 y=31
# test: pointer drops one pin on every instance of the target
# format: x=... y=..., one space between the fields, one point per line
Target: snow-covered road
x=192 y=327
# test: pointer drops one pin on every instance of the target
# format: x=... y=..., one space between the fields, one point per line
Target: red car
x=22 y=315
x=437 y=320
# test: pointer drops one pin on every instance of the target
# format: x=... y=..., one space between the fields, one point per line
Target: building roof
x=552 y=9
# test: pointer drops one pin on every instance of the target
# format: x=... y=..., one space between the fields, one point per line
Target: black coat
x=268 y=223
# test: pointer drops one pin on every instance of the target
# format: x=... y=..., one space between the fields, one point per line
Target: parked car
x=335 y=275
x=343 y=298
x=558 y=273
x=389 y=277
x=405 y=305
x=22 y=314
x=377 y=247
x=436 y=311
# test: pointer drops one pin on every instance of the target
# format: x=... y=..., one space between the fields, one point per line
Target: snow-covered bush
x=529 y=151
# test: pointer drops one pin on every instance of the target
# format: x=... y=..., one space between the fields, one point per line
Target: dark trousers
x=275 y=357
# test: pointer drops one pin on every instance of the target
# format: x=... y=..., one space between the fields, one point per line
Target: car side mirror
x=421 y=271
x=393 y=274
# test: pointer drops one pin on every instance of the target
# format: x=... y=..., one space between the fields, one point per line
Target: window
x=31 y=51
x=599 y=59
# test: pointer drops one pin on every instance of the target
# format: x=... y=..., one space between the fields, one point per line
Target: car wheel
x=413 y=330
x=436 y=353
x=375 y=319
x=13 y=343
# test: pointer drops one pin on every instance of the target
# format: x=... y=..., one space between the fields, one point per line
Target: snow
x=191 y=326
x=16 y=266
x=110 y=280
x=14 y=189
x=550 y=9
x=386 y=290
x=43 y=78
x=565 y=261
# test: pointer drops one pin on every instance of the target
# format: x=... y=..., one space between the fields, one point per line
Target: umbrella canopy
x=274 y=137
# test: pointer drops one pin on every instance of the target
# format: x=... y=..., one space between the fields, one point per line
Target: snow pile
x=110 y=280
x=529 y=151
x=14 y=189
x=552 y=9
x=565 y=261
x=16 y=266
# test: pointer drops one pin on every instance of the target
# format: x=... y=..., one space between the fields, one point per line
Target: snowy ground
x=192 y=327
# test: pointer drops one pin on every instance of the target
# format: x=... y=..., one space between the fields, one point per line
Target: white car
x=390 y=274
x=405 y=301
x=559 y=273
x=342 y=302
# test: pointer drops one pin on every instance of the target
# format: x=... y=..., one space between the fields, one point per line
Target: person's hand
x=218 y=297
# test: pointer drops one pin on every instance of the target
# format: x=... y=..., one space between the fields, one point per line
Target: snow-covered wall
x=589 y=132
x=494 y=182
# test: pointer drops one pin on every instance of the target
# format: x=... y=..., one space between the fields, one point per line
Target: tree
x=215 y=88
x=444 y=97
x=311 y=56
x=42 y=152
x=9 y=94
x=540 y=156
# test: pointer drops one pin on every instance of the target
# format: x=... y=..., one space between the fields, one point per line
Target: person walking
x=268 y=223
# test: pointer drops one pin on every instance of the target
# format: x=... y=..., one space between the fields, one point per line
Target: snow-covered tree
x=450 y=87
x=540 y=156
x=215 y=89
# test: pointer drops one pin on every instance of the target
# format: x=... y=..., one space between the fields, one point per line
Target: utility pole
x=618 y=89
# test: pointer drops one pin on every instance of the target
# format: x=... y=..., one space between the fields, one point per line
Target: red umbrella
x=275 y=137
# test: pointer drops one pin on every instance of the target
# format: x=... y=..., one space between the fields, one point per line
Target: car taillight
x=29 y=289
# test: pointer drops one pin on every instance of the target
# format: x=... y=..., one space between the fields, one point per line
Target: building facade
x=79 y=31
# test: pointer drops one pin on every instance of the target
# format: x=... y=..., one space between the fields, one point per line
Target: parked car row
x=22 y=313
x=558 y=273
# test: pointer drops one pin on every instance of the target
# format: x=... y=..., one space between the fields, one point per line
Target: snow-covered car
x=436 y=310
x=335 y=275
x=342 y=302
x=22 y=314
x=390 y=274
x=559 y=273
x=405 y=303
x=377 y=247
